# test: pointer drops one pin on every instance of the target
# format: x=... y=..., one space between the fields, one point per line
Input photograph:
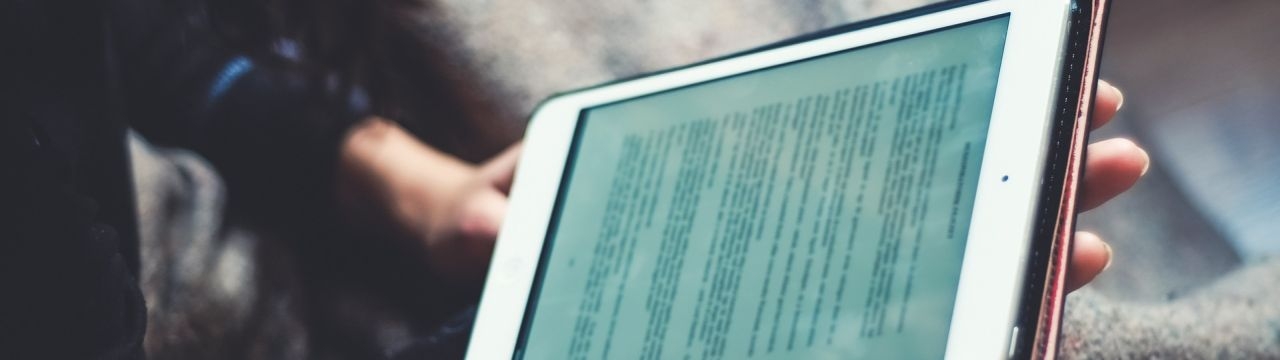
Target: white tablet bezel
x=1004 y=211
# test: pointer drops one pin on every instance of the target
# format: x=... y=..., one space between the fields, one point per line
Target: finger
x=1112 y=167
x=1090 y=256
x=502 y=168
x=482 y=217
x=467 y=260
x=1107 y=102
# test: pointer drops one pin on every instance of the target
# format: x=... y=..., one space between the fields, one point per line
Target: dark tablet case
x=1070 y=140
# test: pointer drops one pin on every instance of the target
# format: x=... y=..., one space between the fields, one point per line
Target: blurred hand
x=1112 y=167
x=460 y=240
x=389 y=180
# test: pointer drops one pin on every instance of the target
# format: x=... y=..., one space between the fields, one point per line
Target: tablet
x=901 y=188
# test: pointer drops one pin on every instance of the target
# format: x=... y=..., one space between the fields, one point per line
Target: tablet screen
x=814 y=209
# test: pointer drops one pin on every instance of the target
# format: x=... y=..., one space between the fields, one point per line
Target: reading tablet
x=895 y=189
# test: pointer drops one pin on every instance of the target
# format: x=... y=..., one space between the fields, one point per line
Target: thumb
x=500 y=170
x=466 y=257
x=483 y=214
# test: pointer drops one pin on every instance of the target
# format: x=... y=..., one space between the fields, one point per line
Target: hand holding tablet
x=904 y=189
x=1113 y=166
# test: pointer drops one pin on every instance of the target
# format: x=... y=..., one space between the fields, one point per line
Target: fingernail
x=1146 y=166
x=1119 y=105
x=1111 y=256
x=1118 y=93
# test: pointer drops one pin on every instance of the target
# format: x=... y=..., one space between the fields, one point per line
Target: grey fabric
x=216 y=288
x=1236 y=317
x=211 y=290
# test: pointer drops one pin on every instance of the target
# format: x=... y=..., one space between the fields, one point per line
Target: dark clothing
x=68 y=243
x=75 y=75
x=268 y=123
